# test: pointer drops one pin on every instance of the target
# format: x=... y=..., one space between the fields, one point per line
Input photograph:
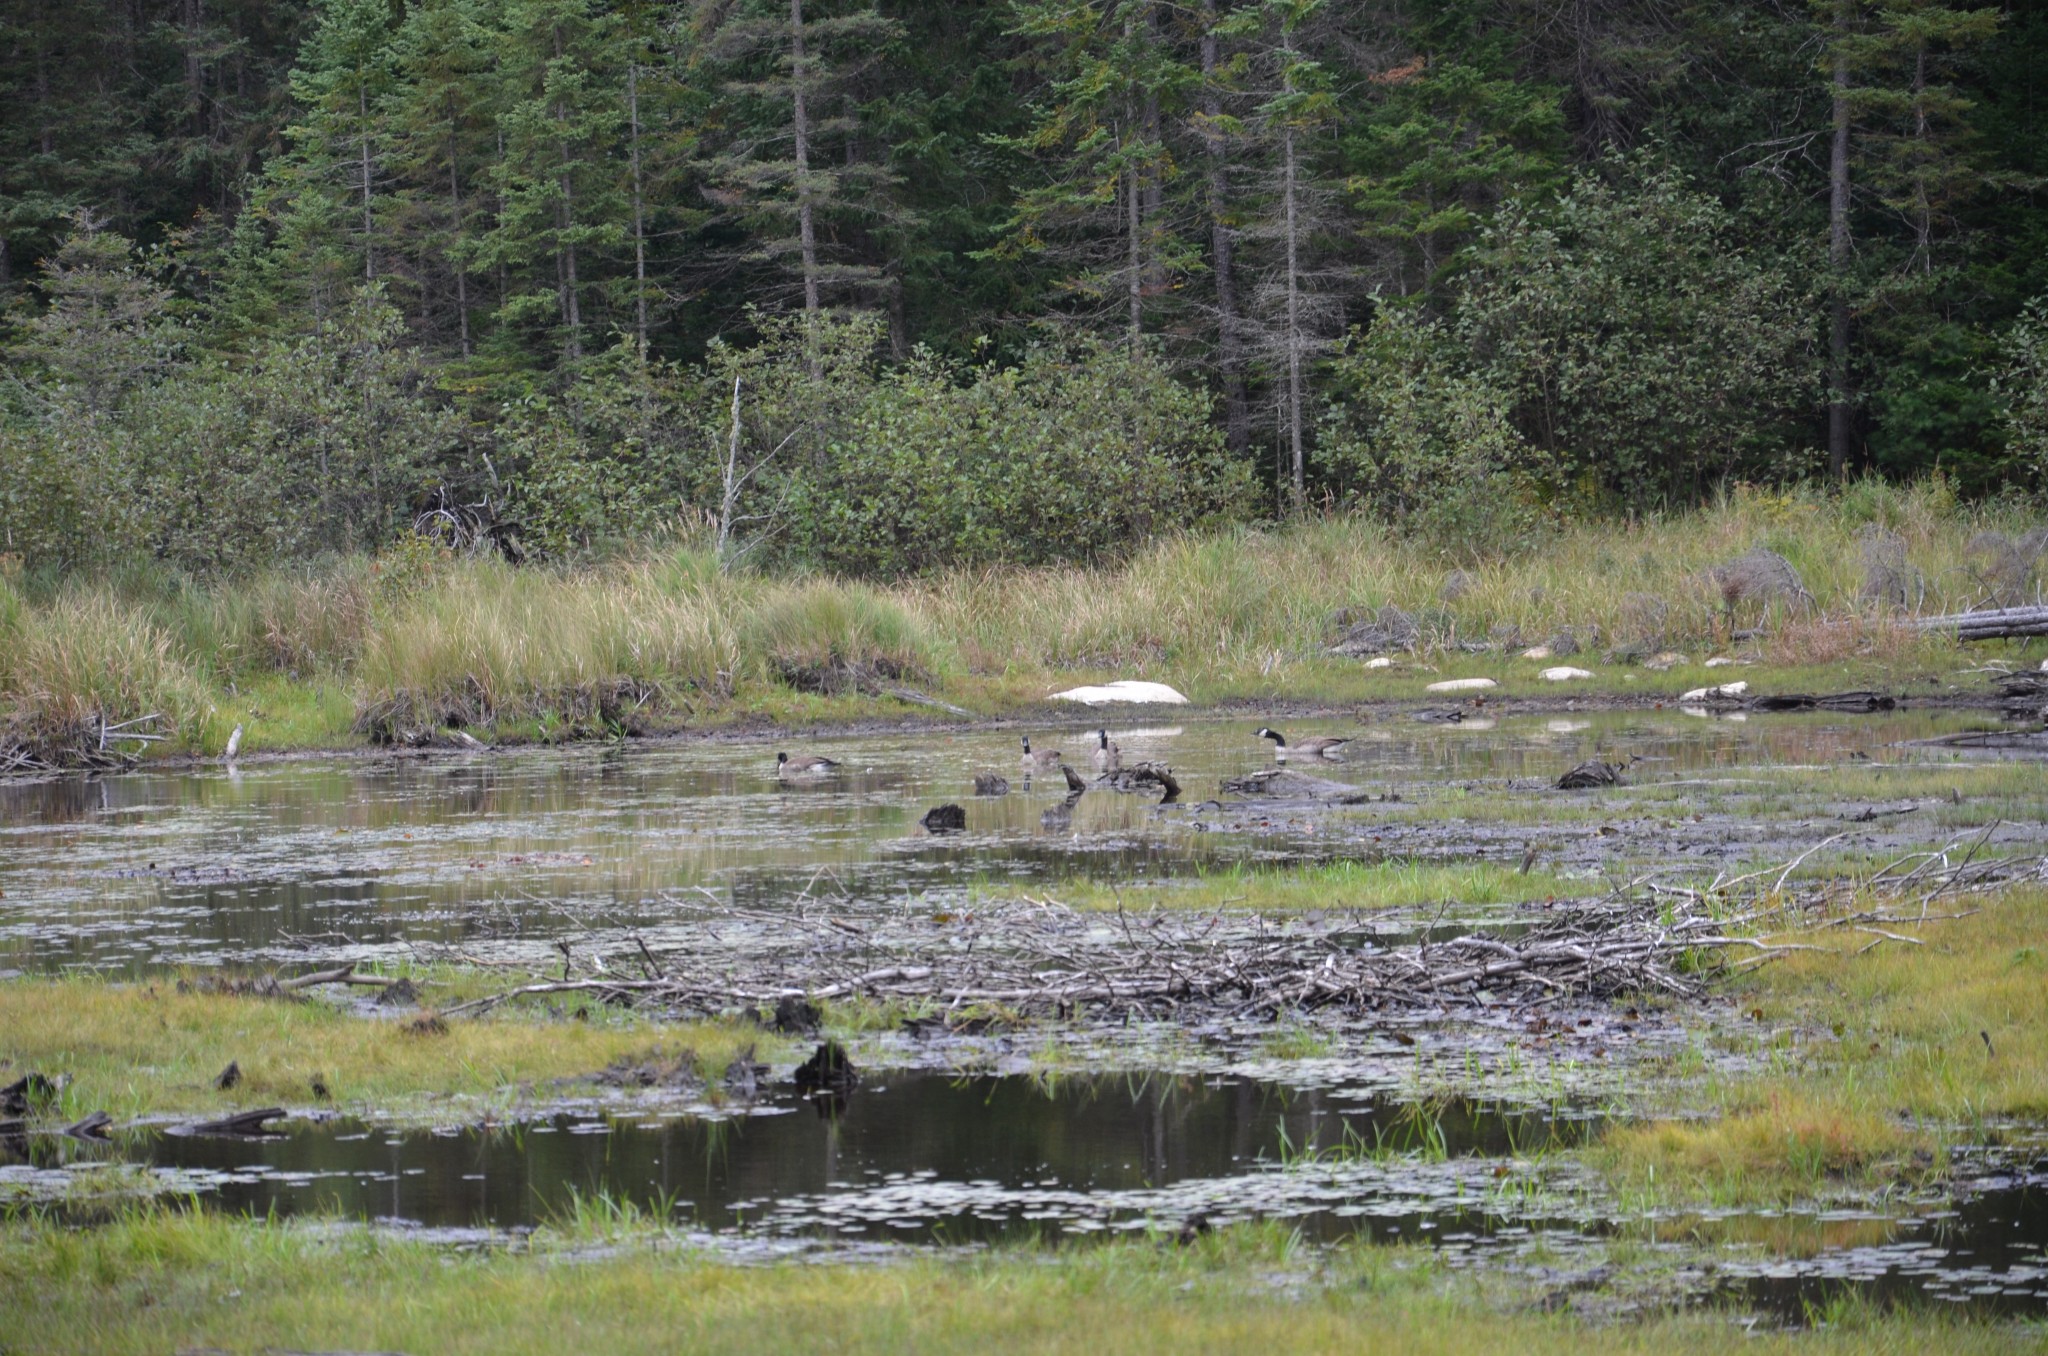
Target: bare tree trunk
x=195 y=68
x=363 y=142
x=565 y=217
x=1289 y=184
x=639 y=214
x=1230 y=355
x=1923 y=209
x=806 y=227
x=461 y=272
x=729 y=495
x=1838 y=261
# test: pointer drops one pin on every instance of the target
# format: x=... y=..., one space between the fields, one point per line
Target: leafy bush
x=2023 y=387
x=1637 y=342
x=1426 y=440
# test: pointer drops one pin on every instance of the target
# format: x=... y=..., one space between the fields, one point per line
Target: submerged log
x=1287 y=784
x=241 y=1123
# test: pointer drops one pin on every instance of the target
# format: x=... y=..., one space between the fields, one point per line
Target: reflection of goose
x=1315 y=746
x=1041 y=758
x=1108 y=757
x=803 y=765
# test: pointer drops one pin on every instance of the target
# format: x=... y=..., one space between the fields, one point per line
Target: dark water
x=497 y=855
x=908 y=1156
x=1988 y=1252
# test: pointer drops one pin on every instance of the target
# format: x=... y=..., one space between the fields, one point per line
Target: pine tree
x=792 y=168
x=560 y=200
x=440 y=120
x=1110 y=205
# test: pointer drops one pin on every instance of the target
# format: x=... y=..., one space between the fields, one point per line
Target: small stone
x=1462 y=685
x=1719 y=661
x=1563 y=673
x=1668 y=659
x=1379 y=662
x=1726 y=691
x=1537 y=652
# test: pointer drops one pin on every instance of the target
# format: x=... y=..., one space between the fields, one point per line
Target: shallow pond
x=495 y=855
x=907 y=1155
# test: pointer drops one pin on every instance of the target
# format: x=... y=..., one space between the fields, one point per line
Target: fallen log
x=1992 y=624
x=1830 y=701
x=241 y=1123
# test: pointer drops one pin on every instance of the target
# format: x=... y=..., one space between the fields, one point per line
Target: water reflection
x=920 y=1155
x=361 y=857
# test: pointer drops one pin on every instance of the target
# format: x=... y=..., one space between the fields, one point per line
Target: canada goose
x=1041 y=758
x=1108 y=757
x=234 y=746
x=803 y=765
x=1315 y=746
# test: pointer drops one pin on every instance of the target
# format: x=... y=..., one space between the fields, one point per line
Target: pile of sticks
x=1038 y=956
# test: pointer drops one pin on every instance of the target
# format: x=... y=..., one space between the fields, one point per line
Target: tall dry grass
x=422 y=638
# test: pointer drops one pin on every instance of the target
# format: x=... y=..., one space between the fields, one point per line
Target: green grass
x=1867 y=1063
x=1366 y=886
x=158 y=1280
x=147 y=1049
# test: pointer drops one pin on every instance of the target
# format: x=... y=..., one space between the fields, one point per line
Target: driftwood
x=92 y=1127
x=1592 y=773
x=241 y=1123
x=1994 y=624
x=1141 y=776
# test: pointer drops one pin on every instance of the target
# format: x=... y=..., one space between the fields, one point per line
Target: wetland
x=594 y=942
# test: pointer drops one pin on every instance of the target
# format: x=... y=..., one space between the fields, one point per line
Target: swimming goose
x=1040 y=758
x=1108 y=757
x=803 y=765
x=1315 y=746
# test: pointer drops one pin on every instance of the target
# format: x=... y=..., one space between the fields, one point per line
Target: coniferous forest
x=868 y=287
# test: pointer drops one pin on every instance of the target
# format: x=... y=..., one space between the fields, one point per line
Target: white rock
x=1707 y=694
x=1462 y=685
x=1536 y=652
x=1719 y=661
x=1379 y=661
x=1122 y=690
x=2044 y=666
x=1563 y=673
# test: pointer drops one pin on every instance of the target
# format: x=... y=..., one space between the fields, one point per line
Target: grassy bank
x=156 y=1281
x=1876 y=1060
x=658 y=636
x=148 y=1049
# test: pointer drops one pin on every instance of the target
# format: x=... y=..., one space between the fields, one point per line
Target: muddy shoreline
x=747 y=730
